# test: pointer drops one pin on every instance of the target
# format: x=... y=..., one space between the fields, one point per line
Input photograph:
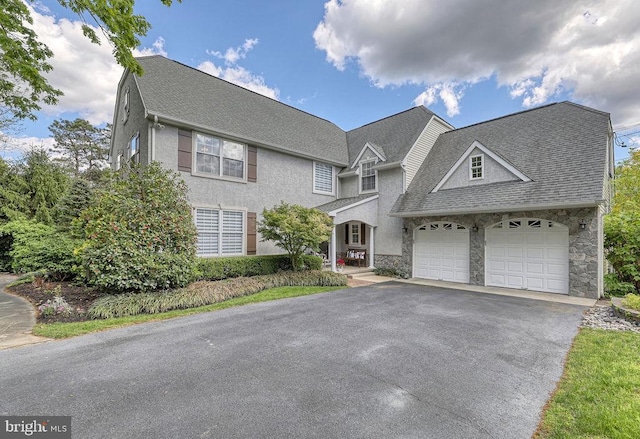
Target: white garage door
x=531 y=254
x=441 y=251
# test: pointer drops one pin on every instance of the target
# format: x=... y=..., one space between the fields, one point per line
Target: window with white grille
x=220 y=232
x=368 y=176
x=476 y=167
x=322 y=178
x=219 y=157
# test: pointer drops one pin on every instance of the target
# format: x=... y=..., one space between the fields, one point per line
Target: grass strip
x=598 y=395
x=66 y=330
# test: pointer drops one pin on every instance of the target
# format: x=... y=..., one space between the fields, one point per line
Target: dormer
x=479 y=165
x=364 y=166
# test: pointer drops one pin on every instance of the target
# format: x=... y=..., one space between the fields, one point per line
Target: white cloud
x=536 y=49
x=236 y=74
x=87 y=73
x=16 y=146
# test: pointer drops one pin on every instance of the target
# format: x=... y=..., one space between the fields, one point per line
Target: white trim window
x=134 y=149
x=354 y=233
x=220 y=232
x=210 y=151
x=323 y=178
x=476 y=167
x=368 y=176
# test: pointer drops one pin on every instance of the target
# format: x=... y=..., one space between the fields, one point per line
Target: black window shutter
x=346 y=233
x=363 y=229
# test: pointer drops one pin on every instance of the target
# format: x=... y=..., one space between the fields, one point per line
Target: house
x=514 y=202
x=392 y=186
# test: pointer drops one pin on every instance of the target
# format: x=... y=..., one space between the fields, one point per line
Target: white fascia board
x=361 y=153
x=347 y=174
x=519 y=208
x=350 y=206
x=382 y=166
x=208 y=130
x=488 y=152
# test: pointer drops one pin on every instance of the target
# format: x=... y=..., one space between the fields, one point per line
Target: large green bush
x=238 y=266
x=31 y=246
x=139 y=233
x=622 y=242
x=206 y=293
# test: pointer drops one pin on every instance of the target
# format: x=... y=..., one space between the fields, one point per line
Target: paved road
x=389 y=360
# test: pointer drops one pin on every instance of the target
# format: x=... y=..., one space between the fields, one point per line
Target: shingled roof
x=393 y=135
x=181 y=93
x=561 y=147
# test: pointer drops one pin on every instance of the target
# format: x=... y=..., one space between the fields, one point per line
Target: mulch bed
x=78 y=297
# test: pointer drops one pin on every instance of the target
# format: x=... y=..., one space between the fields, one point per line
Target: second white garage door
x=530 y=254
x=441 y=252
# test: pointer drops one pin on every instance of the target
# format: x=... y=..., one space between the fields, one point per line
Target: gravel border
x=603 y=317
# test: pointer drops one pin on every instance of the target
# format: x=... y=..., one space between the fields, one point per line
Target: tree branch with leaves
x=295 y=229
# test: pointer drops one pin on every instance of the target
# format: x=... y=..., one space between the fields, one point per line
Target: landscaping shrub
x=622 y=242
x=39 y=247
x=206 y=293
x=398 y=272
x=139 y=233
x=245 y=266
x=632 y=301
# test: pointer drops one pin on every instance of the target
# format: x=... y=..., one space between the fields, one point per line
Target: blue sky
x=355 y=61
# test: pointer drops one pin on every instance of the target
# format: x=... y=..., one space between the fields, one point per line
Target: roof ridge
x=394 y=115
x=239 y=86
x=504 y=116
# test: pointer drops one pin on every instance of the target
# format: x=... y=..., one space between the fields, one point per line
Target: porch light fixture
x=583 y=224
x=474 y=228
x=405 y=230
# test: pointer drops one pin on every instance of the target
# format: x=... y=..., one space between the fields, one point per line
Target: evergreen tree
x=83 y=147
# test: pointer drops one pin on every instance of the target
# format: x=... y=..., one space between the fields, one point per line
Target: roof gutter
x=183 y=123
x=489 y=209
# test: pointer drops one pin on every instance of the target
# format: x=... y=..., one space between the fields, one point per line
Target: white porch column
x=332 y=250
x=371 y=247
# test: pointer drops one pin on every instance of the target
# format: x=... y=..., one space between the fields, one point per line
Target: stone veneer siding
x=583 y=243
x=387 y=261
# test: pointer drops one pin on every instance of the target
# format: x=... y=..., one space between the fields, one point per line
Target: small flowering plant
x=340 y=262
x=55 y=306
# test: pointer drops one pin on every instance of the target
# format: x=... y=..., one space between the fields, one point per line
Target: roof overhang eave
x=492 y=209
x=183 y=123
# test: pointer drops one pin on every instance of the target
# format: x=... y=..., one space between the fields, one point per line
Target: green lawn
x=65 y=330
x=599 y=393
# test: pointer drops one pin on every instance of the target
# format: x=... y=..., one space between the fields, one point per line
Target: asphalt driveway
x=388 y=360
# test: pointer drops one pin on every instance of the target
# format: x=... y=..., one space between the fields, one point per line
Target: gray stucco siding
x=389 y=231
x=135 y=123
x=281 y=177
x=494 y=172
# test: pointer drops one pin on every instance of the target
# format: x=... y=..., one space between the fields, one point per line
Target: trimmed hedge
x=246 y=266
x=206 y=293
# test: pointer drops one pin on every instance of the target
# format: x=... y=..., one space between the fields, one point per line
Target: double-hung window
x=322 y=178
x=220 y=232
x=355 y=234
x=476 y=167
x=219 y=157
x=368 y=176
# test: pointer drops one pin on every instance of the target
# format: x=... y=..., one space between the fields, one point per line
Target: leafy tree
x=13 y=200
x=23 y=59
x=83 y=147
x=622 y=229
x=295 y=229
x=45 y=182
x=139 y=233
x=70 y=206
